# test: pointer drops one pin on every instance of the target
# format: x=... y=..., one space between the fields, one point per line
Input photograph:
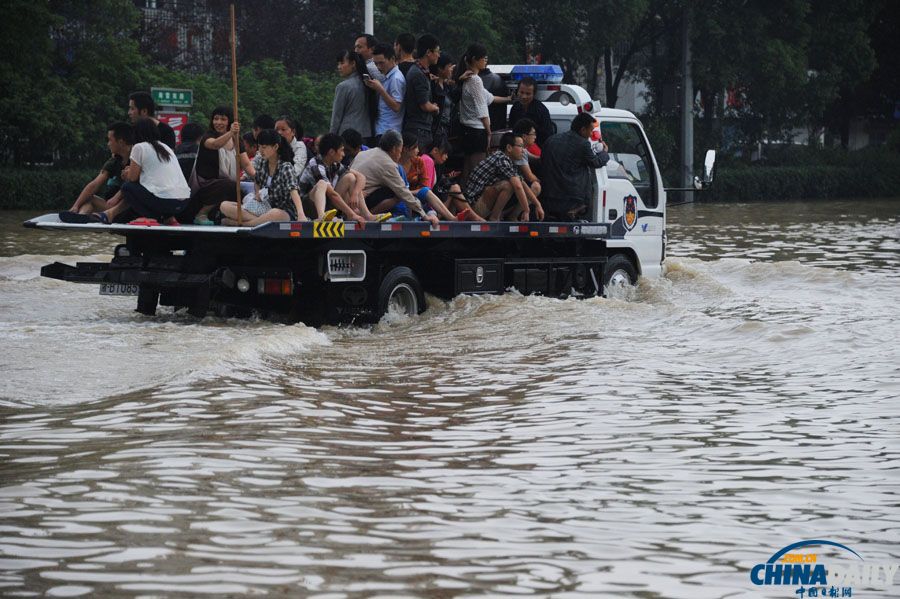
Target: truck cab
x=630 y=197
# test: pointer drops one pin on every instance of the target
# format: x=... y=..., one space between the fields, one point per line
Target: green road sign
x=174 y=98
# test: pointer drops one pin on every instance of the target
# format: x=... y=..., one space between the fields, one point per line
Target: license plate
x=118 y=289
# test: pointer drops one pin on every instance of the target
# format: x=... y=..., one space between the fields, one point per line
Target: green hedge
x=56 y=189
x=774 y=183
x=42 y=189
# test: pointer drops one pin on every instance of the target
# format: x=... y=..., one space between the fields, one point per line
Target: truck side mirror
x=709 y=165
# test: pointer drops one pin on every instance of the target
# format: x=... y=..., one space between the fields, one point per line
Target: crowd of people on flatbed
x=399 y=114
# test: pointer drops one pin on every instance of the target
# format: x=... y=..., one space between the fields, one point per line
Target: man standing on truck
x=420 y=109
x=567 y=165
x=390 y=92
x=364 y=45
x=526 y=107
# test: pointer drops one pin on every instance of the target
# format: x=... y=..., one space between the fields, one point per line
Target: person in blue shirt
x=390 y=91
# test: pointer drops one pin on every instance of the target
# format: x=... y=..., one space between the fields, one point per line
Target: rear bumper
x=97 y=272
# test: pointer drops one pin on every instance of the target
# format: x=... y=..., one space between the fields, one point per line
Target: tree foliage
x=82 y=59
x=762 y=68
x=455 y=24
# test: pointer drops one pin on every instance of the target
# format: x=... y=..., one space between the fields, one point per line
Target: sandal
x=467 y=214
x=329 y=215
x=99 y=217
x=203 y=221
x=380 y=218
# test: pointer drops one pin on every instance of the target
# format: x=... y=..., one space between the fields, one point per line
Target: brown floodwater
x=657 y=444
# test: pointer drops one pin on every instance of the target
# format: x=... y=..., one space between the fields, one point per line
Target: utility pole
x=370 y=17
x=687 y=106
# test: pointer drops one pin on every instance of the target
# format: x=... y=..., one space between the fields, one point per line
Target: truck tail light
x=275 y=286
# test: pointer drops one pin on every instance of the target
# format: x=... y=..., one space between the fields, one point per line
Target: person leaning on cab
x=215 y=172
x=526 y=107
x=568 y=163
x=384 y=186
x=493 y=182
x=277 y=176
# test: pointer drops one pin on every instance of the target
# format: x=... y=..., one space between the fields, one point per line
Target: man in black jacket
x=526 y=106
x=568 y=165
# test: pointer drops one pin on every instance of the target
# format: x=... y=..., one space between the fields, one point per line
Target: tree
x=305 y=35
x=455 y=24
x=81 y=57
x=861 y=72
x=32 y=94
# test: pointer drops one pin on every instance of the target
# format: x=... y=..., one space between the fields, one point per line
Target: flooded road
x=656 y=445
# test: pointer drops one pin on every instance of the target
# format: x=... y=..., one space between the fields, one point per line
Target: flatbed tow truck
x=343 y=272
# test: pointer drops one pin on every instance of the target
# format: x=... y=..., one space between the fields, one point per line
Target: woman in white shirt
x=154 y=184
x=474 y=119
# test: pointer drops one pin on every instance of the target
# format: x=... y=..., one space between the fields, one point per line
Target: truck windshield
x=629 y=158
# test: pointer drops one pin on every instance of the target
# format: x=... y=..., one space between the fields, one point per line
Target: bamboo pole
x=237 y=136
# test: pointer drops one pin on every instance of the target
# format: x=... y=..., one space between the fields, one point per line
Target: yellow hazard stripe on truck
x=328 y=229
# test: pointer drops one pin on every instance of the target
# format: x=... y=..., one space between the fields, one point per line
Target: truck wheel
x=619 y=273
x=148 y=299
x=401 y=292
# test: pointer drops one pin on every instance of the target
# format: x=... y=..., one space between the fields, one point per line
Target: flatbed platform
x=341 y=271
x=344 y=229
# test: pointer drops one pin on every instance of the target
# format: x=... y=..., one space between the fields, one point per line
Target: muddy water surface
x=658 y=444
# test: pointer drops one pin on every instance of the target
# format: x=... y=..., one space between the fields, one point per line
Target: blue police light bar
x=542 y=73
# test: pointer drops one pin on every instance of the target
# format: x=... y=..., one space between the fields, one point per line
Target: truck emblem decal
x=334 y=228
x=479 y=275
x=630 y=212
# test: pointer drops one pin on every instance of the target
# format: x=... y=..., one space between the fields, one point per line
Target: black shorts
x=378 y=196
x=473 y=141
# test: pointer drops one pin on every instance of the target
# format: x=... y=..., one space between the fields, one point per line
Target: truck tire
x=619 y=272
x=401 y=291
x=148 y=299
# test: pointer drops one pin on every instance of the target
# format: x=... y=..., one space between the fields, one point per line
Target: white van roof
x=561 y=99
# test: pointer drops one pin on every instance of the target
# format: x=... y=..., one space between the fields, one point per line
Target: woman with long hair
x=355 y=105
x=287 y=128
x=154 y=185
x=412 y=170
x=215 y=172
x=441 y=90
x=474 y=119
x=277 y=176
